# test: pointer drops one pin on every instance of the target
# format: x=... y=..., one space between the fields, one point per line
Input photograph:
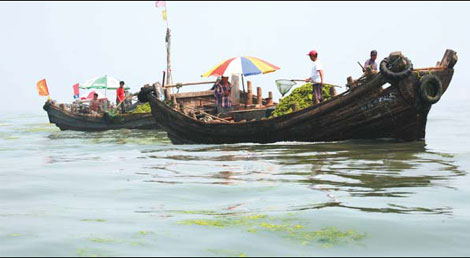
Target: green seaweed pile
x=302 y=96
x=142 y=108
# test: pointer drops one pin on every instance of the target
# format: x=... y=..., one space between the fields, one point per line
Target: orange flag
x=42 y=88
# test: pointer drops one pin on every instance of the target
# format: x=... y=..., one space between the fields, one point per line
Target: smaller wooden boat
x=67 y=120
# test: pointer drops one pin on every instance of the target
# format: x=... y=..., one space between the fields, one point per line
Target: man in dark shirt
x=370 y=64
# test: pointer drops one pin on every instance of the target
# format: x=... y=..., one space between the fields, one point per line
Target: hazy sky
x=69 y=42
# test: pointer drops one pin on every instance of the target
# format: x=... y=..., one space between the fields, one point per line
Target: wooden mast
x=169 y=79
x=168 y=56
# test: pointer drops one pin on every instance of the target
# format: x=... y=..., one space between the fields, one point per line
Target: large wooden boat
x=393 y=103
x=67 y=120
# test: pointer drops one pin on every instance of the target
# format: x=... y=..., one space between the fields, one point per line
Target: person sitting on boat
x=95 y=104
x=120 y=96
x=222 y=94
x=370 y=65
x=317 y=77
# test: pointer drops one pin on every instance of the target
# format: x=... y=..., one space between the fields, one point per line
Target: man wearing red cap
x=316 y=78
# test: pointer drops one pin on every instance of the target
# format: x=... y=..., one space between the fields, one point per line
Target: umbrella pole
x=243 y=85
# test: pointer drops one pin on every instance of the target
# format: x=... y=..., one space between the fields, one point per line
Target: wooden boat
x=66 y=120
x=393 y=103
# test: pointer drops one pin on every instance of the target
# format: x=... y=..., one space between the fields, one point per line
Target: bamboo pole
x=188 y=84
x=168 y=58
x=300 y=80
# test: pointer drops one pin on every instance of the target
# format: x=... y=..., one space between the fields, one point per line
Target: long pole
x=168 y=47
x=187 y=84
x=168 y=56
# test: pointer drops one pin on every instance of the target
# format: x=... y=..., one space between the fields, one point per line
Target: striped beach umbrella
x=241 y=65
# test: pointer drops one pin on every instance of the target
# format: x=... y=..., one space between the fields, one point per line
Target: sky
x=70 y=42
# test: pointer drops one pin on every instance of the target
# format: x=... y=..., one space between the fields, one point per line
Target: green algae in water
x=225 y=221
x=93 y=220
x=86 y=252
x=201 y=212
x=227 y=253
x=144 y=232
x=41 y=128
x=15 y=235
x=102 y=240
x=326 y=237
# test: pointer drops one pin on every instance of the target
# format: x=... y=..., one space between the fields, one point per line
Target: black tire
x=395 y=76
x=430 y=89
x=143 y=94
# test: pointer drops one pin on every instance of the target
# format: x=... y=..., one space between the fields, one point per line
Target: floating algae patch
x=201 y=212
x=93 y=220
x=286 y=227
x=8 y=136
x=86 y=252
x=227 y=253
x=302 y=96
x=144 y=232
x=328 y=237
x=39 y=128
x=225 y=221
x=102 y=240
x=15 y=235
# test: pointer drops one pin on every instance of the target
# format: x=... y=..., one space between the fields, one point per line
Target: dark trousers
x=123 y=109
x=316 y=93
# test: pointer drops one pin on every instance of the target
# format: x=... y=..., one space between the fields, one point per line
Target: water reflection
x=370 y=176
x=122 y=136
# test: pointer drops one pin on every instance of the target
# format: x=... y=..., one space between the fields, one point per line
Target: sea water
x=133 y=193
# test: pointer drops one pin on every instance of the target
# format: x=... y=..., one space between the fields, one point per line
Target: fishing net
x=284 y=86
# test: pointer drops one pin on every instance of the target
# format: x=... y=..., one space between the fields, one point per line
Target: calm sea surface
x=125 y=192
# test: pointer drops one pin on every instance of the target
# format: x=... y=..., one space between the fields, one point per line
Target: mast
x=168 y=56
x=167 y=40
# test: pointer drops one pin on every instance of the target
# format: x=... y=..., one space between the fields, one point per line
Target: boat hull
x=367 y=112
x=79 y=122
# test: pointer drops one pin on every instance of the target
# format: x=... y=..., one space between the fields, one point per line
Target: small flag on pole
x=76 y=91
x=164 y=15
x=42 y=88
x=160 y=4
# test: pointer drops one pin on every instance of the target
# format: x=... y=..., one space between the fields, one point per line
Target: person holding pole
x=317 y=77
x=120 y=96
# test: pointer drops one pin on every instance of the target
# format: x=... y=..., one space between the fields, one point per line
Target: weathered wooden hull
x=366 y=112
x=78 y=122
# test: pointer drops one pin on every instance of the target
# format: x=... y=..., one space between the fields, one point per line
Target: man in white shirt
x=316 y=78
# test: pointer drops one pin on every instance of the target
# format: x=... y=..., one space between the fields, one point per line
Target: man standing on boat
x=120 y=96
x=316 y=78
x=370 y=64
x=222 y=95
